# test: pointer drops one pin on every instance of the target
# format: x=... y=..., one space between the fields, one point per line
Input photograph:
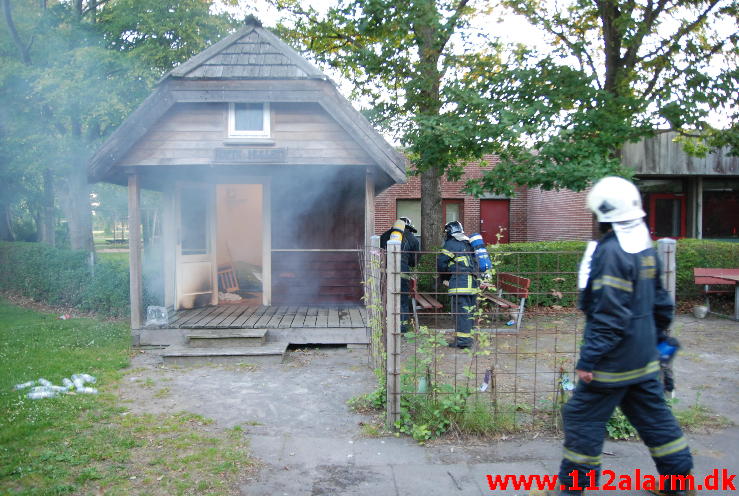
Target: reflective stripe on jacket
x=457 y=264
x=626 y=307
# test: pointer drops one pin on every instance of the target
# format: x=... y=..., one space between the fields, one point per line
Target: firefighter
x=409 y=248
x=457 y=267
x=627 y=311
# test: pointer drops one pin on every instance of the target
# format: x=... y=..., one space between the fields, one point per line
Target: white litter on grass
x=46 y=389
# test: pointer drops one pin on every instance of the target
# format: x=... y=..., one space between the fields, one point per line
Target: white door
x=196 y=271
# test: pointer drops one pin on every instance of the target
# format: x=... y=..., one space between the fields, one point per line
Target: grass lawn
x=120 y=257
x=89 y=444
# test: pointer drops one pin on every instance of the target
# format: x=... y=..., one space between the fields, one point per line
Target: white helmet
x=614 y=199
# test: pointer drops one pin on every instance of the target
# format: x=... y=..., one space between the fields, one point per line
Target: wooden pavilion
x=268 y=177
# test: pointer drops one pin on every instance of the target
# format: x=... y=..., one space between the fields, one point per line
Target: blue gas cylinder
x=481 y=253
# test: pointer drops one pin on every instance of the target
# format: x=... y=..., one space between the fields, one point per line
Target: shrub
x=693 y=253
x=551 y=265
x=64 y=278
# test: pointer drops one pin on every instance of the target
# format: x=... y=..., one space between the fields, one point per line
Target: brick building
x=683 y=196
x=529 y=215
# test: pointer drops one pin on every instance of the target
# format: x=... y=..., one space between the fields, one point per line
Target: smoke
x=317 y=208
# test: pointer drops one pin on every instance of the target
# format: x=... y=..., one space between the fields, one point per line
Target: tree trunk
x=431 y=215
x=22 y=48
x=79 y=215
x=47 y=217
x=6 y=228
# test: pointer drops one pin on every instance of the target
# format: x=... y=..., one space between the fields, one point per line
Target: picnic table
x=709 y=277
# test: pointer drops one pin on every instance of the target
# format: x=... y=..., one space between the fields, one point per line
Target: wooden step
x=226 y=338
x=270 y=353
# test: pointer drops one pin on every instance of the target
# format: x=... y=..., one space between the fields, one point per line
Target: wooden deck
x=270 y=317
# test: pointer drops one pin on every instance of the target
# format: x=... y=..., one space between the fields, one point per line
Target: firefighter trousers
x=585 y=416
x=463 y=306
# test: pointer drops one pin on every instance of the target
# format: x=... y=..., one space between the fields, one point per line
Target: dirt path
x=309 y=443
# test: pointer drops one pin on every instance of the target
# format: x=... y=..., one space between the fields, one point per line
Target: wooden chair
x=227 y=281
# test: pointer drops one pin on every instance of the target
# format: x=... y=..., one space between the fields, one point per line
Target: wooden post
x=369 y=227
x=374 y=301
x=169 y=234
x=666 y=248
x=267 y=242
x=369 y=206
x=134 y=244
x=393 y=332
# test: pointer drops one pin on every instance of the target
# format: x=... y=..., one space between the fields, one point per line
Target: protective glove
x=668 y=349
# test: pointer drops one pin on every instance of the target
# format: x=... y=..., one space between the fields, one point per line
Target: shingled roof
x=250 y=53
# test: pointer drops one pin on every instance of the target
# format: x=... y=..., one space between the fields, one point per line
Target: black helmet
x=453 y=227
x=408 y=224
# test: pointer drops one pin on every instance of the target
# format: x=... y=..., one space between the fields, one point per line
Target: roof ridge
x=248 y=53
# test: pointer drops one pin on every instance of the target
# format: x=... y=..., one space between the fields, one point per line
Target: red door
x=493 y=220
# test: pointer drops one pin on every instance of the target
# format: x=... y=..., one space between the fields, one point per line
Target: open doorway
x=240 y=243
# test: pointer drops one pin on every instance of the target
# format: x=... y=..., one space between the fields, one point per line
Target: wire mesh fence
x=520 y=368
x=526 y=329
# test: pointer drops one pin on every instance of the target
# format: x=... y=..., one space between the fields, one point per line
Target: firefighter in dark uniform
x=457 y=264
x=627 y=311
x=409 y=254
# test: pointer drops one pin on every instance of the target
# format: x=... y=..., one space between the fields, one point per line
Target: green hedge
x=64 y=278
x=693 y=253
x=552 y=266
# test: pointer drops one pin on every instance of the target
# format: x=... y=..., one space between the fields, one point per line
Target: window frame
x=266 y=130
x=459 y=202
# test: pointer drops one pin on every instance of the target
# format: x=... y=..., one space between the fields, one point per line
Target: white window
x=410 y=209
x=248 y=120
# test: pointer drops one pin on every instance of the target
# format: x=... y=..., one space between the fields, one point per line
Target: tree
x=620 y=70
x=402 y=56
x=78 y=73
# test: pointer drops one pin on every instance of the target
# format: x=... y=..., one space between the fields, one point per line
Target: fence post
x=374 y=302
x=666 y=248
x=393 y=332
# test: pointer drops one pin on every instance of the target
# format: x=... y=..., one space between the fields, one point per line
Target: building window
x=451 y=210
x=667 y=215
x=410 y=209
x=248 y=120
x=720 y=207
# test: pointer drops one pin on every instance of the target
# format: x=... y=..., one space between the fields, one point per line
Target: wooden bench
x=510 y=286
x=425 y=301
x=710 y=277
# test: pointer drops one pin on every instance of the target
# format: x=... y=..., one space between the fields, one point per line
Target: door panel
x=196 y=265
x=494 y=218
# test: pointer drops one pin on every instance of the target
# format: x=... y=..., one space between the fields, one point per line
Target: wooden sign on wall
x=251 y=155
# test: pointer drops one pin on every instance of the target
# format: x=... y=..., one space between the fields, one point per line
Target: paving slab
x=453 y=479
